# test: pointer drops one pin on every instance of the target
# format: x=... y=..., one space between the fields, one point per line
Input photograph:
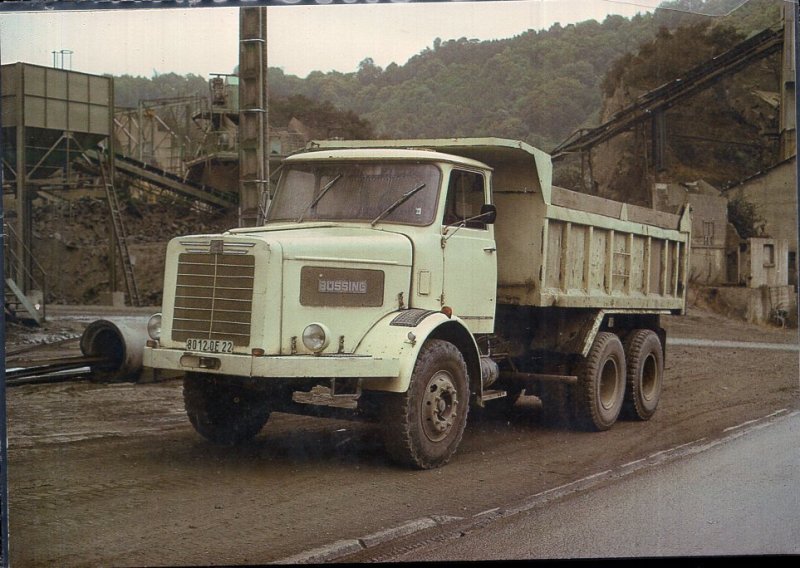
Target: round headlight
x=154 y=326
x=315 y=337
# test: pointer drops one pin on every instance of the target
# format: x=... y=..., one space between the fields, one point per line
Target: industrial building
x=62 y=137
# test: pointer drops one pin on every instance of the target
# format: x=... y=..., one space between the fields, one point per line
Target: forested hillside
x=720 y=135
x=539 y=86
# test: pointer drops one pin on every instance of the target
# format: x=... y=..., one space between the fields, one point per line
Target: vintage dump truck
x=406 y=281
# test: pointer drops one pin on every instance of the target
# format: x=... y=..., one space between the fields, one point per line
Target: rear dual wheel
x=645 y=374
x=617 y=380
x=600 y=390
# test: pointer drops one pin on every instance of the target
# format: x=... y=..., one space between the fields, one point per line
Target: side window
x=465 y=197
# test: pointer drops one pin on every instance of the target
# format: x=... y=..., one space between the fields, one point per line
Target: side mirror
x=488 y=213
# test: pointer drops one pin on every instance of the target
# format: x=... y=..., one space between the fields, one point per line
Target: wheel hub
x=439 y=406
x=609 y=384
x=649 y=378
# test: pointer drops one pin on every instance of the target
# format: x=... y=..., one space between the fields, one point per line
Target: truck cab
x=366 y=256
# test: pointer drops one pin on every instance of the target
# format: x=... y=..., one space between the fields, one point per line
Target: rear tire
x=423 y=427
x=223 y=412
x=601 y=384
x=645 y=374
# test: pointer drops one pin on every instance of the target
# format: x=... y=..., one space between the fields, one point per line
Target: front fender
x=390 y=338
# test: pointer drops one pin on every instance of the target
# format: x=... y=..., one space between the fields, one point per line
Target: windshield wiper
x=402 y=199
x=320 y=196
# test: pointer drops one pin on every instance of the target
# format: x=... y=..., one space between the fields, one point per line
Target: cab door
x=469 y=251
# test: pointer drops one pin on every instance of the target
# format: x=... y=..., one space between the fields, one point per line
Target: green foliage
x=323 y=119
x=746 y=16
x=744 y=216
x=129 y=90
x=672 y=53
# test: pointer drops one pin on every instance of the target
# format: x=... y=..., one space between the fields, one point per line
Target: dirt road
x=114 y=475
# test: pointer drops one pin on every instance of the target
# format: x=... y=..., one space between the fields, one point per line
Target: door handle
x=489 y=249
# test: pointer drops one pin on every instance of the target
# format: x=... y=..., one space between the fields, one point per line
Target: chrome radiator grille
x=214 y=297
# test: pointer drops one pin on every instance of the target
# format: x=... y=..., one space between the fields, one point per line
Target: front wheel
x=423 y=426
x=601 y=384
x=224 y=412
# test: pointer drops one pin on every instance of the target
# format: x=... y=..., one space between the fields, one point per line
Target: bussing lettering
x=343 y=286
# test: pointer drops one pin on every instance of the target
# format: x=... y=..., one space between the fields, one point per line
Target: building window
x=708 y=233
x=769 y=255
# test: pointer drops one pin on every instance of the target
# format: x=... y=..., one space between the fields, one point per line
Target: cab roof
x=381 y=153
x=514 y=157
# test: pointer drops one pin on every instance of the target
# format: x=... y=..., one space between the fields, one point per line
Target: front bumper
x=280 y=366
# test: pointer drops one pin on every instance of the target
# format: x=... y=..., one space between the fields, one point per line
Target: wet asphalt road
x=739 y=495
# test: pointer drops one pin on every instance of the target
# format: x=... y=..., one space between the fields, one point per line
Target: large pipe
x=120 y=345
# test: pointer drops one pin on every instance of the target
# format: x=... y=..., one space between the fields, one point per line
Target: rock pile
x=72 y=242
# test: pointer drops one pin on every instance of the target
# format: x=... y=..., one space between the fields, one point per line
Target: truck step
x=493 y=394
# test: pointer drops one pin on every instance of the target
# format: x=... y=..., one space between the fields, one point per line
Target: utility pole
x=792 y=31
x=3 y=430
x=788 y=113
x=253 y=116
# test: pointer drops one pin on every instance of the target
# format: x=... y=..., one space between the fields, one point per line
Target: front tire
x=601 y=384
x=645 y=374
x=423 y=427
x=222 y=411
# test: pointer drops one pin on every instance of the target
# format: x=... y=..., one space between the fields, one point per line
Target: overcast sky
x=300 y=38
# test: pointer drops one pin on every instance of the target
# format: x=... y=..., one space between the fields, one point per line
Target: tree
x=744 y=216
x=368 y=72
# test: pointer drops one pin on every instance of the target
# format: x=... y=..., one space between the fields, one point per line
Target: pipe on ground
x=121 y=345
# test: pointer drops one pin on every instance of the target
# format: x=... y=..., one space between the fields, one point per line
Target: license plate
x=210 y=345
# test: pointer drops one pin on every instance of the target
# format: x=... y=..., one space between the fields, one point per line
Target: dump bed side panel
x=583 y=251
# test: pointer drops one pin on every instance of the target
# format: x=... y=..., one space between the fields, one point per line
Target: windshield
x=357 y=192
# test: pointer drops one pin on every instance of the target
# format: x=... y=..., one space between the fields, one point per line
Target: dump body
x=581 y=251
